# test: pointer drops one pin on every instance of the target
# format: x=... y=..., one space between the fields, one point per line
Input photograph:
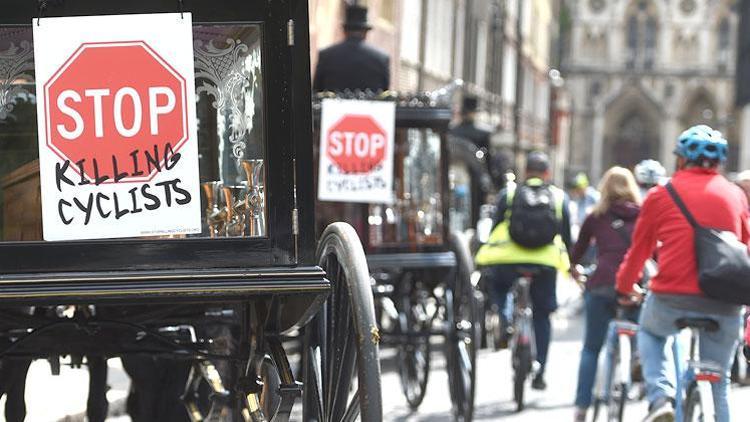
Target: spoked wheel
x=618 y=397
x=493 y=327
x=693 y=411
x=463 y=321
x=596 y=406
x=618 y=388
x=415 y=323
x=340 y=355
x=521 y=371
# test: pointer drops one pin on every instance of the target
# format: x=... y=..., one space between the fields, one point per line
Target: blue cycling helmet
x=702 y=143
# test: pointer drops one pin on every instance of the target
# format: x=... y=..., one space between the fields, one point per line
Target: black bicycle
x=523 y=341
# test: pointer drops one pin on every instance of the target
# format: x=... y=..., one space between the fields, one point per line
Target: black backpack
x=533 y=221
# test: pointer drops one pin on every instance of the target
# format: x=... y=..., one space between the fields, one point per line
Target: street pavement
x=63 y=398
x=494 y=397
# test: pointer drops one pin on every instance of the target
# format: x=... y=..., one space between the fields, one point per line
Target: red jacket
x=713 y=201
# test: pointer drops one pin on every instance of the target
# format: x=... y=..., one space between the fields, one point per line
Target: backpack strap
x=681 y=205
x=618 y=225
x=559 y=196
x=510 y=193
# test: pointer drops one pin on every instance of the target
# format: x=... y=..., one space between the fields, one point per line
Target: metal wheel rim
x=340 y=359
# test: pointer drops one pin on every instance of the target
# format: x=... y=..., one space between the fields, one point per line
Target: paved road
x=52 y=398
x=494 y=399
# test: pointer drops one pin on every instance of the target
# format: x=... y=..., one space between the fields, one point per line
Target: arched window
x=649 y=42
x=723 y=44
x=642 y=28
x=632 y=32
x=724 y=33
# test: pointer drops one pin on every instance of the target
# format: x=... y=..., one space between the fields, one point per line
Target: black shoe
x=538 y=383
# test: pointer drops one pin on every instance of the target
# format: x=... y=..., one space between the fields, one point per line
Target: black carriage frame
x=114 y=270
x=445 y=263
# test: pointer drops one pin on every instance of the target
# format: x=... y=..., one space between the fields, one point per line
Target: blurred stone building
x=434 y=42
x=640 y=71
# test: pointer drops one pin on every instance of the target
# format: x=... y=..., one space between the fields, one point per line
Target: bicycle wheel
x=414 y=351
x=341 y=342
x=493 y=327
x=596 y=406
x=693 y=406
x=463 y=321
x=618 y=397
x=522 y=368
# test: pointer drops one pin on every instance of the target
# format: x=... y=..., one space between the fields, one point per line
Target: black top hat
x=356 y=18
x=470 y=104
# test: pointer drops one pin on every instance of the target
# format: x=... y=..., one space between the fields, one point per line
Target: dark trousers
x=157 y=388
x=13 y=384
x=599 y=312
x=97 y=405
x=543 y=301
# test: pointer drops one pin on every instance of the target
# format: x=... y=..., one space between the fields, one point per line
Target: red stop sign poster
x=94 y=116
x=356 y=159
x=356 y=144
x=117 y=127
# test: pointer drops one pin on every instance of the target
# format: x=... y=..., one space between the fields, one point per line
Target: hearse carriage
x=226 y=269
x=416 y=250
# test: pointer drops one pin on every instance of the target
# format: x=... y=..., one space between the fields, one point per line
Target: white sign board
x=118 y=146
x=356 y=151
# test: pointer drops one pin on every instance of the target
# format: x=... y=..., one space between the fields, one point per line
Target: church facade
x=641 y=71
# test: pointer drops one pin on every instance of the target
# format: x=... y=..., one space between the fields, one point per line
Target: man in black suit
x=352 y=64
x=467 y=127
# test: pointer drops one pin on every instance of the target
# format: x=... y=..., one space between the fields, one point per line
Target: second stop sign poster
x=356 y=151
x=118 y=148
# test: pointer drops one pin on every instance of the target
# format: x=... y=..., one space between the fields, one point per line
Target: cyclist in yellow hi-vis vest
x=531 y=231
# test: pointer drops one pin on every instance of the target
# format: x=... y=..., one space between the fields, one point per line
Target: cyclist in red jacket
x=674 y=291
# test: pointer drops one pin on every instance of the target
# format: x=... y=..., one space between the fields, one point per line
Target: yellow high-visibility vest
x=500 y=248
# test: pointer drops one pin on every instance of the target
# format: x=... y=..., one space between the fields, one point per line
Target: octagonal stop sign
x=356 y=144
x=119 y=106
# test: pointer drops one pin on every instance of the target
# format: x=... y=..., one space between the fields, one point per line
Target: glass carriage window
x=416 y=215
x=231 y=136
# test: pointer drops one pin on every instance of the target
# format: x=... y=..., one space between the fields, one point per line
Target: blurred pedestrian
x=352 y=64
x=467 y=127
x=531 y=229
x=583 y=199
x=609 y=226
x=674 y=292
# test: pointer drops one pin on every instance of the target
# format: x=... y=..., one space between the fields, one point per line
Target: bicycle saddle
x=706 y=324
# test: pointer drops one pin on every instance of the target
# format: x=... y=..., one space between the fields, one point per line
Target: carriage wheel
x=341 y=342
x=415 y=323
x=463 y=319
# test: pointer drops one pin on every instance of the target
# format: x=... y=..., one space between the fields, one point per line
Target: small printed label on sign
x=118 y=147
x=356 y=151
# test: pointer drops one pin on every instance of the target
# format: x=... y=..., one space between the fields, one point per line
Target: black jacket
x=353 y=65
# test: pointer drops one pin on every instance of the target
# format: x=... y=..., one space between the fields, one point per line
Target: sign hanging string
x=181 y=8
x=42 y=4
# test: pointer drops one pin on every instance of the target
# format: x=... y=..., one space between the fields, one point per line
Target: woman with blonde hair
x=609 y=226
